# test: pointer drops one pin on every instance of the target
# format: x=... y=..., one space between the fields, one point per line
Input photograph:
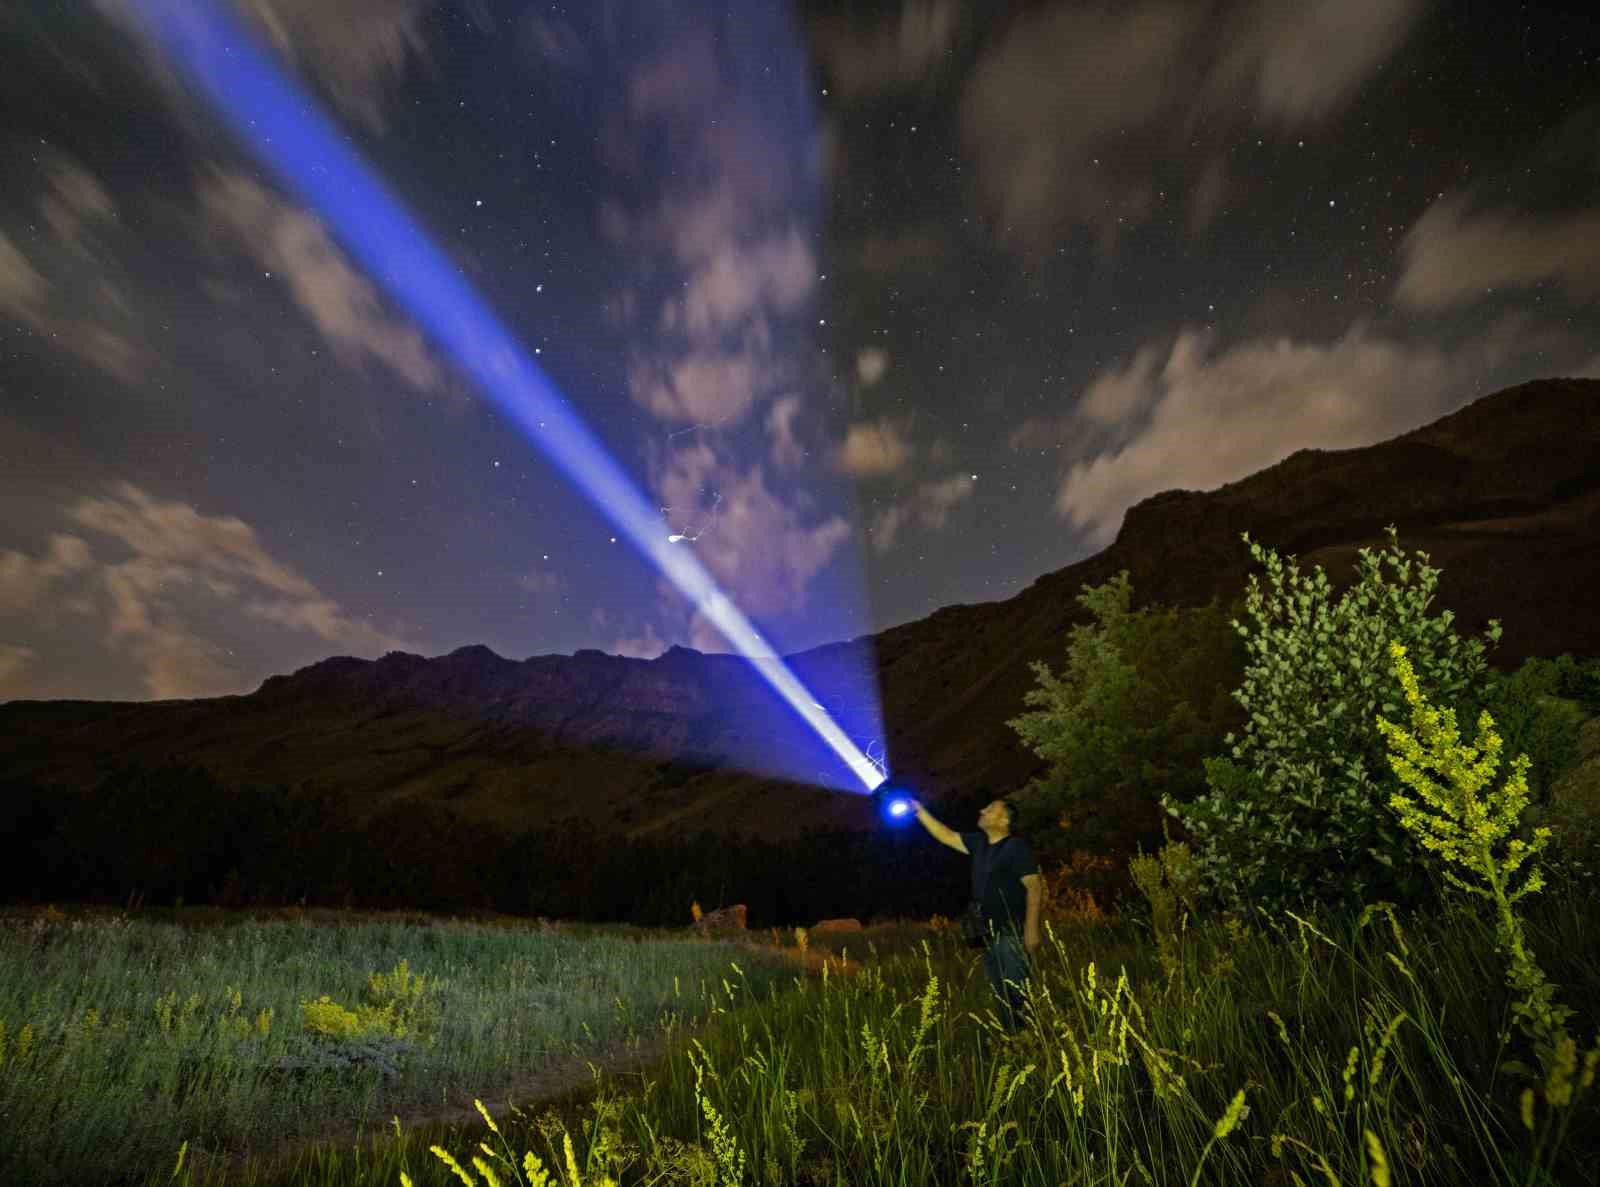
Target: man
x=1012 y=895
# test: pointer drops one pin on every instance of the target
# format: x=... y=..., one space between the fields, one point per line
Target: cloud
x=871 y=364
x=721 y=271
x=158 y=567
x=888 y=55
x=72 y=202
x=338 y=299
x=1453 y=257
x=647 y=644
x=715 y=360
x=737 y=280
x=179 y=536
x=723 y=231
x=708 y=388
x=13 y=659
x=1115 y=396
x=357 y=49
x=1075 y=112
x=75 y=198
x=759 y=547
x=929 y=505
x=1218 y=416
x=787 y=452
x=871 y=449
x=324 y=618
x=1306 y=60
x=24 y=581
x=22 y=289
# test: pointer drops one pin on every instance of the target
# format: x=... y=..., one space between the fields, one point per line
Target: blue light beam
x=286 y=129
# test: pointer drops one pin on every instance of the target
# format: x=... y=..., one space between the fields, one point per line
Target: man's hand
x=1031 y=940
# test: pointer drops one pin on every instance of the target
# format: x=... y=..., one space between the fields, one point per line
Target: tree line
x=160 y=836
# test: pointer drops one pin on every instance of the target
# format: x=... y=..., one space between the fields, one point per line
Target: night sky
x=888 y=307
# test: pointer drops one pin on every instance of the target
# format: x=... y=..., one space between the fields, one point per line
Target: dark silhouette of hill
x=1504 y=496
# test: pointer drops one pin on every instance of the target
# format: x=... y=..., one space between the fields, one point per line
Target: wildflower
x=1477 y=835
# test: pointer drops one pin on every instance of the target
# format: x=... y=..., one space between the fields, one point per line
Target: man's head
x=997 y=816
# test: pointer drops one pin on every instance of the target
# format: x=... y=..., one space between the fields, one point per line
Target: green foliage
x=398 y=1004
x=1169 y=882
x=1573 y=814
x=1477 y=834
x=410 y=1001
x=1337 y=1050
x=1142 y=699
x=1296 y=812
x=1537 y=712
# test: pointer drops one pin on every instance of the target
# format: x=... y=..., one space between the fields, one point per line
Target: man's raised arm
x=945 y=836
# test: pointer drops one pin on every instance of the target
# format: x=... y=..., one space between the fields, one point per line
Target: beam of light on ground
x=284 y=127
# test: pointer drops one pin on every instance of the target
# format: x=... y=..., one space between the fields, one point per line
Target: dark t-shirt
x=1005 y=898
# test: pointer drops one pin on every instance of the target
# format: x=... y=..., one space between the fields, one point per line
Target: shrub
x=1296 y=812
x=1535 y=715
x=410 y=1002
x=1125 y=725
x=1168 y=880
x=1573 y=812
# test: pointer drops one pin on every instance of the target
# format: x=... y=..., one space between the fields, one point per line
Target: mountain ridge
x=1503 y=494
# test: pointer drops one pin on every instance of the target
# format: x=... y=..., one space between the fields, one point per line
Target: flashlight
x=893 y=804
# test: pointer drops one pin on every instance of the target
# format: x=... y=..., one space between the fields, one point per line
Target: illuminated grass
x=1354 y=1052
x=1365 y=1051
x=120 y=1038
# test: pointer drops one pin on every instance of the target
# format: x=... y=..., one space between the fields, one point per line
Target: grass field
x=123 y=1037
x=1348 y=1051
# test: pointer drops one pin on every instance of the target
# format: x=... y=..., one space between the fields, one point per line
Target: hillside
x=1504 y=496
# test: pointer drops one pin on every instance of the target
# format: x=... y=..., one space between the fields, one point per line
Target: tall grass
x=119 y=1038
x=1370 y=1050
x=1302 y=1050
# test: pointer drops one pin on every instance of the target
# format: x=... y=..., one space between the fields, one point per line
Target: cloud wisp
x=872 y=449
x=1201 y=417
x=929 y=506
x=714 y=311
x=1454 y=255
x=1075 y=113
x=67 y=288
x=339 y=301
x=147 y=572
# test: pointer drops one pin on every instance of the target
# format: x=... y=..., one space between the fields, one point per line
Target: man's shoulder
x=974 y=840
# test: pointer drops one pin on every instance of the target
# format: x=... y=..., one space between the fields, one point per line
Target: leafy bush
x=1143 y=698
x=410 y=1002
x=1536 y=714
x=399 y=1004
x=1573 y=812
x=400 y=1013
x=1297 y=811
